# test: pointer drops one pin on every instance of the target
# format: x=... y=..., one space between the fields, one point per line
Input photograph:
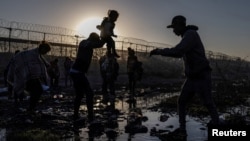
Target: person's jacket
x=192 y=51
x=25 y=66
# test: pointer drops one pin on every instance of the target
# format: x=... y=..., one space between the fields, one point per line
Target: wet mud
x=151 y=115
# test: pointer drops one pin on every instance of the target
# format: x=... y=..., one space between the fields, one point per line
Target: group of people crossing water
x=27 y=71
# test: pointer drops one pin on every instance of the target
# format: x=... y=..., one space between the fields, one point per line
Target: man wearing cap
x=197 y=69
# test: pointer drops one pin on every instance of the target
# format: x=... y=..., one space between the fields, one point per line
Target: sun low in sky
x=88 y=25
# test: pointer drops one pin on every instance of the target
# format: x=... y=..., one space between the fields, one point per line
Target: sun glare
x=88 y=25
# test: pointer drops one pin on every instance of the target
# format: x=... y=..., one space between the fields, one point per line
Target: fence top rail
x=60 y=32
x=36 y=27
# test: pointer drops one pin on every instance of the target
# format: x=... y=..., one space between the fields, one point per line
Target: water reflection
x=196 y=129
x=114 y=128
x=111 y=128
x=2 y=134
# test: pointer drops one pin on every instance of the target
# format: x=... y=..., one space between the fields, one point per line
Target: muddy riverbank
x=52 y=120
x=157 y=97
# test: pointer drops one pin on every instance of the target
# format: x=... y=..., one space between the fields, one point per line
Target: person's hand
x=154 y=52
x=99 y=27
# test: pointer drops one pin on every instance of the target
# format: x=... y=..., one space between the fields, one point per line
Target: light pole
x=10 y=31
x=77 y=36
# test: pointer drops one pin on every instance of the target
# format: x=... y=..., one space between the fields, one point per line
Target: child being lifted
x=107 y=31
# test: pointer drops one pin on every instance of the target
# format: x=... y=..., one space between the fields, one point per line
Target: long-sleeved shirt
x=84 y=55
x=26 y=65
x=192 y=51
x=131 y=63
x=107 y=29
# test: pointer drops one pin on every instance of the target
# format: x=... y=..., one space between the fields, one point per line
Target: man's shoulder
x=191 y=32
x=83 y=41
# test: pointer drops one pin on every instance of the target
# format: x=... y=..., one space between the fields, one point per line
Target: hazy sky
x=223 y=24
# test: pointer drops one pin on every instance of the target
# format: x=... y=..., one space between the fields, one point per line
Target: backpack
x=109 y=68
x=105 y=65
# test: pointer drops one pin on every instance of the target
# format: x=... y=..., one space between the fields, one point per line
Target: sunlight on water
x=196 y=129
x=2 y=134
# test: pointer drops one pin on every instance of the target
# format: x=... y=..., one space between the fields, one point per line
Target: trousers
x=82 y=88
x=201 y=86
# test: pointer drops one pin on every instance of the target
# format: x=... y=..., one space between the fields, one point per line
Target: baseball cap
x=176 y=20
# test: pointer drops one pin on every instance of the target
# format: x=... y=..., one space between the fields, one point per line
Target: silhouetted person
x=107 y=31
x=10 y=87
x=67 y=65
x=103 y=75
x=109 y=69
x=131 y=61
x=197 y=69
x=134 y=70
x=79 y=69
x=28 y=72
x=54 y=73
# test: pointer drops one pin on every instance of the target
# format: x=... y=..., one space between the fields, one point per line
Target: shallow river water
x=196 y=128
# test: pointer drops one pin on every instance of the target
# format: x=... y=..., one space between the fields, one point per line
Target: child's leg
x=108 y=44
x=111 y=47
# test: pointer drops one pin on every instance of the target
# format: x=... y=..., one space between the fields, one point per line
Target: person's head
x=44 y=47
x=113 y=15
x=17 y=51
x=178 y=24
x=67 y=58
x=94 y=37
x=131 y=52
x=135 y=58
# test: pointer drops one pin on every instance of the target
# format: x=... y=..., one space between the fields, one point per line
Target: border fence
x=22 y=36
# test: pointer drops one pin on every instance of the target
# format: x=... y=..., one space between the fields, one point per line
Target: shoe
x=111 y=98
x=79 y=122
x=75 y=117
x=179 y=132
x=105 y=100
x=176 y=135
x=212 y=124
